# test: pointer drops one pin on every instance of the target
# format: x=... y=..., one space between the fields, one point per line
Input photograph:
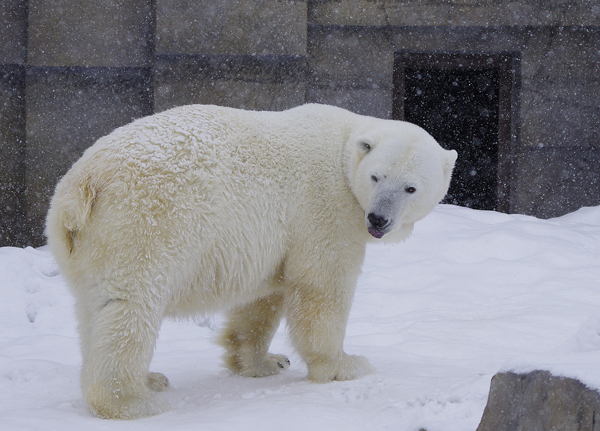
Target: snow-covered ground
x=469 y=294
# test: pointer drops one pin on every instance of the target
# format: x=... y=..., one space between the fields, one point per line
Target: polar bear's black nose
x=377 y=221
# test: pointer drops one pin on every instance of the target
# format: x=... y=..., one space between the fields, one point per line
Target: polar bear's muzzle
x=377 y=225
x=384 y=211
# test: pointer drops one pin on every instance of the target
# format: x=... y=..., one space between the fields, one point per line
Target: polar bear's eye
x=366 y=146
x=374 y=178
x=410 y=190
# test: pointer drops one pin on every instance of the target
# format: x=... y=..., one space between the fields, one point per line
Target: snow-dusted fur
x=201 y=208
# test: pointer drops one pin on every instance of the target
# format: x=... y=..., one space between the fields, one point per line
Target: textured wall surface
x=12 y=155
x=71 y=72
x=13 y=32
x=271 y=82
x=231 y=27
x=113 y=33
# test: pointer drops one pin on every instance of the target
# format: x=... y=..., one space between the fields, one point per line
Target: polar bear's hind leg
x=115 y=379
x=248 y=335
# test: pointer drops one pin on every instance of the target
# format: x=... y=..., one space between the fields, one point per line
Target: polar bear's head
x=398 y=174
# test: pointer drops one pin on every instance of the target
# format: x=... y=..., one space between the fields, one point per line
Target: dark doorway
x=460 y=109
x=461 y=100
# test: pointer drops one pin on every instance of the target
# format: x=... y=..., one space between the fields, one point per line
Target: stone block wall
x=272 y=82
x=71 y=72
x=351 y=67
x=12 y=154
x=242 y=54
x=231 y=27
x=94 y=33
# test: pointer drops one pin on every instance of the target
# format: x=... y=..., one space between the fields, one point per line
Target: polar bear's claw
x=266 y=366
x=285 y=363
x=158 y=382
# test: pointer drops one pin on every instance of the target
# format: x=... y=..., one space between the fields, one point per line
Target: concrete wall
x=70 y=74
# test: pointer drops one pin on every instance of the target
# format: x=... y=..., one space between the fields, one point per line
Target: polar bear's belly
x=230 y=271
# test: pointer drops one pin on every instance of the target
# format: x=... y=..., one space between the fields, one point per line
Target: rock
x=539 y=401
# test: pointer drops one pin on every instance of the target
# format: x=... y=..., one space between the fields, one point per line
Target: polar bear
x=266 y=214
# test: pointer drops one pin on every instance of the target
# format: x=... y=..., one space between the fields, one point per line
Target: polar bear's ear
x=451 y=157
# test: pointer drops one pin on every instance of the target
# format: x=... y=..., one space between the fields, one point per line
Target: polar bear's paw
x=348 y=367
x=128 y=407
x=258 y=367
x=158 y=382
x=272 y=364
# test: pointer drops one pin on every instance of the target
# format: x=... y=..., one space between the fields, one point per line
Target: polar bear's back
x=182 y=143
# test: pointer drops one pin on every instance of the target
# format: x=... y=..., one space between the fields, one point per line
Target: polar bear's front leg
x=317 y=321
x=115 y=379
x=248 y=335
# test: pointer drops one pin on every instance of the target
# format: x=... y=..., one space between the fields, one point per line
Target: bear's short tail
x=70 y=211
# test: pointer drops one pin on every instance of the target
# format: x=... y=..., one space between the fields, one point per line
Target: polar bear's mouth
x=376 y=233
